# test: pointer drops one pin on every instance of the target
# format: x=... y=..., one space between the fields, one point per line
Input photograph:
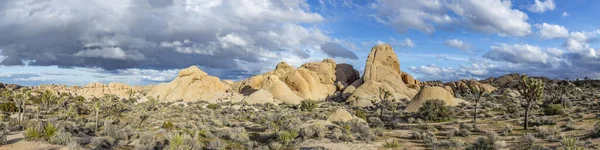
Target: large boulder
x=190 y=85
x=280 y=90
x=260 y=97
x=340 y=115
x=431 y=93
x=382 y=74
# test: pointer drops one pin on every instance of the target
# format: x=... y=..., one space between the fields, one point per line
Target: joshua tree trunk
x=22 y=111
x=97 y=109
x=475 y=113
x=525 y=124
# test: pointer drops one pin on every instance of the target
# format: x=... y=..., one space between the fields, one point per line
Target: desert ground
x=319 y=105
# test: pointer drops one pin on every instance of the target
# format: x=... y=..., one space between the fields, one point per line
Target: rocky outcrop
x=9 y=86
x=98 y=90
x=314 y=80
x=191 y=84
x=382 y=74
x=507 y=80
x=463 y=86
x=431 y=93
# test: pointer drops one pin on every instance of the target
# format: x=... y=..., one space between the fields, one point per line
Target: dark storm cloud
x=157 y=34
x=337 y=51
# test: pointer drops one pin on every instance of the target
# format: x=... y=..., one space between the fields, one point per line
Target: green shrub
x=168 y=125
x=32 y=133
x=9 y=107
x=308 y=105
x=3 y=140
x=361 y=114
x=392 y=144
x=49 y=131
x=61 y=138
x=570 y=144
x=436 y=111
x=287 y=136
x=554 y=109
x=176 y=142
x=213 y=106
x=490 y=142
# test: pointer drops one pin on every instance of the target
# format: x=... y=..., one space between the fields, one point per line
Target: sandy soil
x=16 y=142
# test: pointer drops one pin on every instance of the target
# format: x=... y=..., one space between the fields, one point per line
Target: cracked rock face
x=382 y=74
x=192 y=84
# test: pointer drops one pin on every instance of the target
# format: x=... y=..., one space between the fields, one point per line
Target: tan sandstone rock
x=431 y=93
x=314 y=81
x=98 y=90
x=382 y=73
x=340 y=115
x=260 y=97
x=190 y=85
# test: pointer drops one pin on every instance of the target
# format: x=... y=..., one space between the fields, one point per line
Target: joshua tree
x=477 y=92
x=22 y=97
x=532 y=90
x=6 y=94
x=47 y=97
x=384 y=101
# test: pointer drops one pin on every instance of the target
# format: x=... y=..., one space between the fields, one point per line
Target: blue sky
x=143 y=42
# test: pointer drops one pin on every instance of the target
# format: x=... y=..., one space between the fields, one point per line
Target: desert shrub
x=308 y=105
x=146 y=142
x=238 y=135
x=375 y=122
x=570 y=125
x=307 y=132
x=460 y=132
x=287 y=136
x=275 y=145
x=416 y=135
x=393 y=144
x=9 y=107
x=102 y=142
x=3 y=140
x=528 y=142
x=506 y=130
x=114 y=131
x=168 y=125
x=215 y=144
x=61 y=138
x=545 y=131
x=436 y=111
x=320 y=130
x=213 y=106
x=554 y=109
x=360 y=113
x=452 y=143
x=540 y=121
x=491 y=141
x=595 y=132
x=430 y=140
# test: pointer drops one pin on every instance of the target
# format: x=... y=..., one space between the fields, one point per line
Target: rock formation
x=96 y=89
x=431 y=93
x=462 y=86
x=314 y=81
x=382 y=74
x=191 y=84
x=260 y=97
x=340 y=115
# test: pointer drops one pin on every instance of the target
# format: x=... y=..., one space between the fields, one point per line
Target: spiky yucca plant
x=531 y=90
